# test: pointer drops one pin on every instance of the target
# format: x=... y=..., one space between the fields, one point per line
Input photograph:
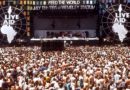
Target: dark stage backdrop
x=42 y=25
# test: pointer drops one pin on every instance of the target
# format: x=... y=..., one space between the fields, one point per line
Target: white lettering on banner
x=73 y=2
x=121 y=17
x=124 y=15
x=53 y=2
x=120 y=20
x=63 y=2
x=52 y=7
x=7 y=27
x=118 y=26
x=10 y=19
x=63 y=7
x=37 y=8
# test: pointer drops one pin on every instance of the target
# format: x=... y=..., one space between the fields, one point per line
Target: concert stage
x=54 y=44
x=63 y=39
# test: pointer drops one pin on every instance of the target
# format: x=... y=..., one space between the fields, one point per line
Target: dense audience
x=76 y=68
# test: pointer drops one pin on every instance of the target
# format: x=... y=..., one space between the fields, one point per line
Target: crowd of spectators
x=75 y=68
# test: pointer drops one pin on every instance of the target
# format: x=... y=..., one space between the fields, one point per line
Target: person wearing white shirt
x=116 y=77
x=1 y=82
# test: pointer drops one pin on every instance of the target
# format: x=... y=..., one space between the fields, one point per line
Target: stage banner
x=64 y=4
x=12 y=23
x=115 y=21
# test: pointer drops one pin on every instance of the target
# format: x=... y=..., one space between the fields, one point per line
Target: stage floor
x=63 y=39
